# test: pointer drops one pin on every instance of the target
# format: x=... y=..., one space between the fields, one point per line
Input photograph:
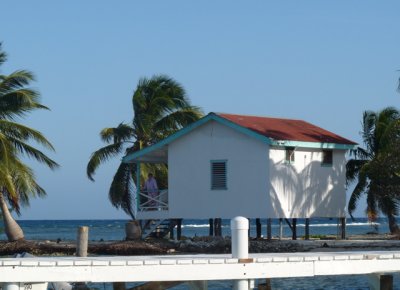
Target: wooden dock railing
x=239 y=266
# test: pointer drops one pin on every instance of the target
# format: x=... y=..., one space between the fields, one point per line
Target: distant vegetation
x=17 y=180
x=160 y=107
x=376 y=167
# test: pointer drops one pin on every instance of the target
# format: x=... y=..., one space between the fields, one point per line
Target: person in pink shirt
x=150 y=187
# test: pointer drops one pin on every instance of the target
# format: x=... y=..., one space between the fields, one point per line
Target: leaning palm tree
x=17 y=180
x=367 y=166
x=160 y=108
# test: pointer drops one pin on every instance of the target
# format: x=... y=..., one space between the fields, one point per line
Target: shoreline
x=199 y=245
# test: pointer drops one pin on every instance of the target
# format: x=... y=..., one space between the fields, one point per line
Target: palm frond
x=24 y=133
x=121 y=133
x=7 y=183
x=122 y=188
x=357 y=192
x=389 y=205
x=368 y=129
x=25 y=182
x=3 y=55
x=102 y=155
x=175 y=121
x=353 y=168
x=360 y=154
x=34 y=153
x=15 y=80
x=18 y=103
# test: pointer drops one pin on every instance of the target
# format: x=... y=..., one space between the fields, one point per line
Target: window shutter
x=218 y=174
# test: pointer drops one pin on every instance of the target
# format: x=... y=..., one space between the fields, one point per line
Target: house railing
x=152 y=201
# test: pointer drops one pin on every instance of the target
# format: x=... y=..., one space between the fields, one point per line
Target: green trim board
x=131 y=158
x=318 y=145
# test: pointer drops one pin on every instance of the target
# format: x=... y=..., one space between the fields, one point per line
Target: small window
x=289 y=157
x=218 y=175
x=327 y=157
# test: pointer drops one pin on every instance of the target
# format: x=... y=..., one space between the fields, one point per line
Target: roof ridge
x=258 y=116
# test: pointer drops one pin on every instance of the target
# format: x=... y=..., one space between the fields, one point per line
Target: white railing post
x=240 y=246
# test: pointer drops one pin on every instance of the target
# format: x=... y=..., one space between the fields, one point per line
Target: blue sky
x=321 y=61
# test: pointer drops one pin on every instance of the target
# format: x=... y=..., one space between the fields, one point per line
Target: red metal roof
x=286 y=129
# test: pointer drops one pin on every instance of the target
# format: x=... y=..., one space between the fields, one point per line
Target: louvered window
x=218 y=175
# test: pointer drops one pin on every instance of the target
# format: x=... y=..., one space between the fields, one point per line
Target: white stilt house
x=228 y=165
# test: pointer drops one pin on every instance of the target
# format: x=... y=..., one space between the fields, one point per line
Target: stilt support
x=294 y=229
x=258 y=227
x=179 y=229
x=211 y=227
x=307 y=229
x=119 y=286
x=269 y=229
x=266 y=285
x=379 y=281
x=217 y=227
x=343 y=228
x=171 y=229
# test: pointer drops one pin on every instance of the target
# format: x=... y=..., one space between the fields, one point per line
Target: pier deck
x=195 y=267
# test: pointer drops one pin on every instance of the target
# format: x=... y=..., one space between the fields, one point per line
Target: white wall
x=305 y=188
x=260 y=183
x=190 y=194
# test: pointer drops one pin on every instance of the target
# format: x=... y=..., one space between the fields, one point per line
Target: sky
x=322 y=61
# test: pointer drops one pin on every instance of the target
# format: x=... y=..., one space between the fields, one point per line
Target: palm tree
x=17 y=180
x=370 y=166
x=160 y=108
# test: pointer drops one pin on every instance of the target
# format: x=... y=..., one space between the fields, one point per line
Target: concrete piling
x=240 y=246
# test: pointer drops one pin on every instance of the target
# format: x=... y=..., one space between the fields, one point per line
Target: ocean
x=114 y=230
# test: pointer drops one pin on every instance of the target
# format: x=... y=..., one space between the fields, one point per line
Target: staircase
x=157 y=228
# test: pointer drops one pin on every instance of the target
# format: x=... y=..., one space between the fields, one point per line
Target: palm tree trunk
x=12 y=229
x=393 y=227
